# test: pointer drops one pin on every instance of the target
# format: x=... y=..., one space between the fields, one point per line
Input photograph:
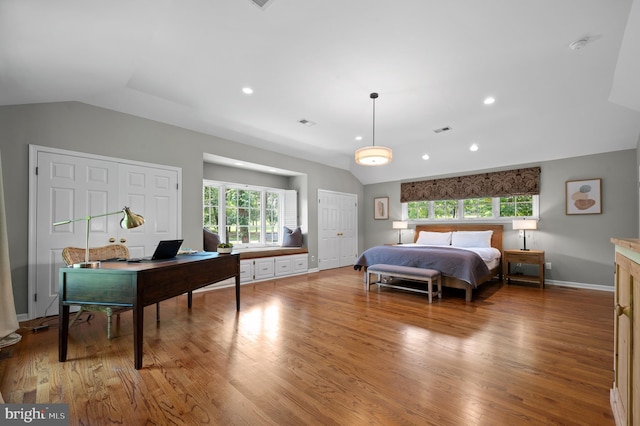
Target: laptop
x=166 y=249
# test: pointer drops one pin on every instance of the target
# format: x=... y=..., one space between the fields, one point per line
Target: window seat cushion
x=254 y=253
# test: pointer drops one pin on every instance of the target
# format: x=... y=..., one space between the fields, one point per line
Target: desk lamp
x=129 y=220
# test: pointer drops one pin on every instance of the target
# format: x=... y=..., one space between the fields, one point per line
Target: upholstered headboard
x=496 y=237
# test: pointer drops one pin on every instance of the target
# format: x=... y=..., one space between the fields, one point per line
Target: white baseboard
x=599 y=287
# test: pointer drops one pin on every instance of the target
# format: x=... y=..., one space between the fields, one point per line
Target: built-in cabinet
x=625 y=393
x=264 y=268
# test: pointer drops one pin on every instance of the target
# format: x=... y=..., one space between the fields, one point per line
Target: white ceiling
x=432 y=62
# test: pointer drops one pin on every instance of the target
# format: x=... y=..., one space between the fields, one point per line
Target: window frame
x=495 y=202
x=222 y=210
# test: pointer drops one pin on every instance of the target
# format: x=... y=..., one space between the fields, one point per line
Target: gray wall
x=79 y=127
x=578 y=246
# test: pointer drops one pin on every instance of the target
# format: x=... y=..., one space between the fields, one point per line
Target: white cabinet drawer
x=283 y=265
x=263 y=268
x=246 y=271
x=300 y=263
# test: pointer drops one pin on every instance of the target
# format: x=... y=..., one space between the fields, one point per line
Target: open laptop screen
x=167 y=249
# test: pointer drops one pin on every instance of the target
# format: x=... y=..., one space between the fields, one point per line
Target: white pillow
x=434 y=238
x=471 y=238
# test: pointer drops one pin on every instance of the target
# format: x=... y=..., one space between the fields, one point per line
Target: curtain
x=8 y=318
x=497 y=184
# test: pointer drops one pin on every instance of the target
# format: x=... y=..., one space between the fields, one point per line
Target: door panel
x=68 y=187
x=337 y=229
x=152 y=193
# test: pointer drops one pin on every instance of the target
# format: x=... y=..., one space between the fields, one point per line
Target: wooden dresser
x=625 y=394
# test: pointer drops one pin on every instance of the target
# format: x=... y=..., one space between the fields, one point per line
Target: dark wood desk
x=137 y=285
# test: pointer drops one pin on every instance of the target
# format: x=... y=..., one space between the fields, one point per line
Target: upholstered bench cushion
x=430 y=276
x=400 y=271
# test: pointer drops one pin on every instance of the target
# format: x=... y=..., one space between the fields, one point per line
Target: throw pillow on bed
x=429 y=238
x=292 y=237
x=471 y=238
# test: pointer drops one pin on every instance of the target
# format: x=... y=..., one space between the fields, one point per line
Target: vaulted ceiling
x=432 y=63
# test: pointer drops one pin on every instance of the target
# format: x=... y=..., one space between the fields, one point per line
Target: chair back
x=72 y=255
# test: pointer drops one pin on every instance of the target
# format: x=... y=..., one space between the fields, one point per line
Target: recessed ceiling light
x=247 y=90
x=473 y=147
x=425 y=157
x=489 y=100
x=358 y=138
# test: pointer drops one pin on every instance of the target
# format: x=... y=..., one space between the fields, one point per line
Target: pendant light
x=373 y=155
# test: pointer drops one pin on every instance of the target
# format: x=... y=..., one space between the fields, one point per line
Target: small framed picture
x=381 y=208
x=584 y=196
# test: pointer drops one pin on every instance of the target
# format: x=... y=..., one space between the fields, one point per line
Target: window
x=243 y=215
x=478 y=207
x=473 y=208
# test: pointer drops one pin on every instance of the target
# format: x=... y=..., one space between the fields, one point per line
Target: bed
x=462 y=266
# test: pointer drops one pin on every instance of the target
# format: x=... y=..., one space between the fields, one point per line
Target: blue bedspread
x=453 y=262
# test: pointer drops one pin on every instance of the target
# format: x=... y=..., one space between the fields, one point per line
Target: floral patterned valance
x=495 y=184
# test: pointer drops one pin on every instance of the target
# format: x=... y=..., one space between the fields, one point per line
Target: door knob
x=623 y=310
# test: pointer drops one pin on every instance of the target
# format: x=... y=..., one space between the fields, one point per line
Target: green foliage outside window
x=418 y=209
x=478 y=207
x=243 y=215
x=445 y=209
x=210 y=208
x=516 y=206
x=243 y=211
x=473 y=208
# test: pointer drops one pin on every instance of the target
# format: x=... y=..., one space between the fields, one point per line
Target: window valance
x=495 y=184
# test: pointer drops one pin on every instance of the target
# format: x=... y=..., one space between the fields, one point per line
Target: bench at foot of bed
x=430 y=276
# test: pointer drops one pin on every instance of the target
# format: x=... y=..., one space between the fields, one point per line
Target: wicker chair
x=72 y=255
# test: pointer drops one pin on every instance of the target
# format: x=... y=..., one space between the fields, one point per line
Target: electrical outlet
x=547 y=265
x=313 y=258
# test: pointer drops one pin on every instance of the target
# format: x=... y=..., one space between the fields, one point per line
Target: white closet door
x=348 y=214
x=73 y=185
x=70 y=187
x=337 y=229
x=153 y=193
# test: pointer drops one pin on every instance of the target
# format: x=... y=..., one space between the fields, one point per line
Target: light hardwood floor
x=318 y=349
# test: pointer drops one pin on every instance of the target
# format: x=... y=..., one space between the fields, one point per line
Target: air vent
x=442 y=129
x=261 y=3
x=306 y=122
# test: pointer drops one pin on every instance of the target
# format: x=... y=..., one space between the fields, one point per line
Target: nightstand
x=529 y=257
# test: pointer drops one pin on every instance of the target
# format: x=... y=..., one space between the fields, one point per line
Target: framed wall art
x=381 y=208
x=584 y=196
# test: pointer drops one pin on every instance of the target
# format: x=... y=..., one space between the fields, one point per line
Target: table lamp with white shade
x=525 y=225
x=400 y=225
